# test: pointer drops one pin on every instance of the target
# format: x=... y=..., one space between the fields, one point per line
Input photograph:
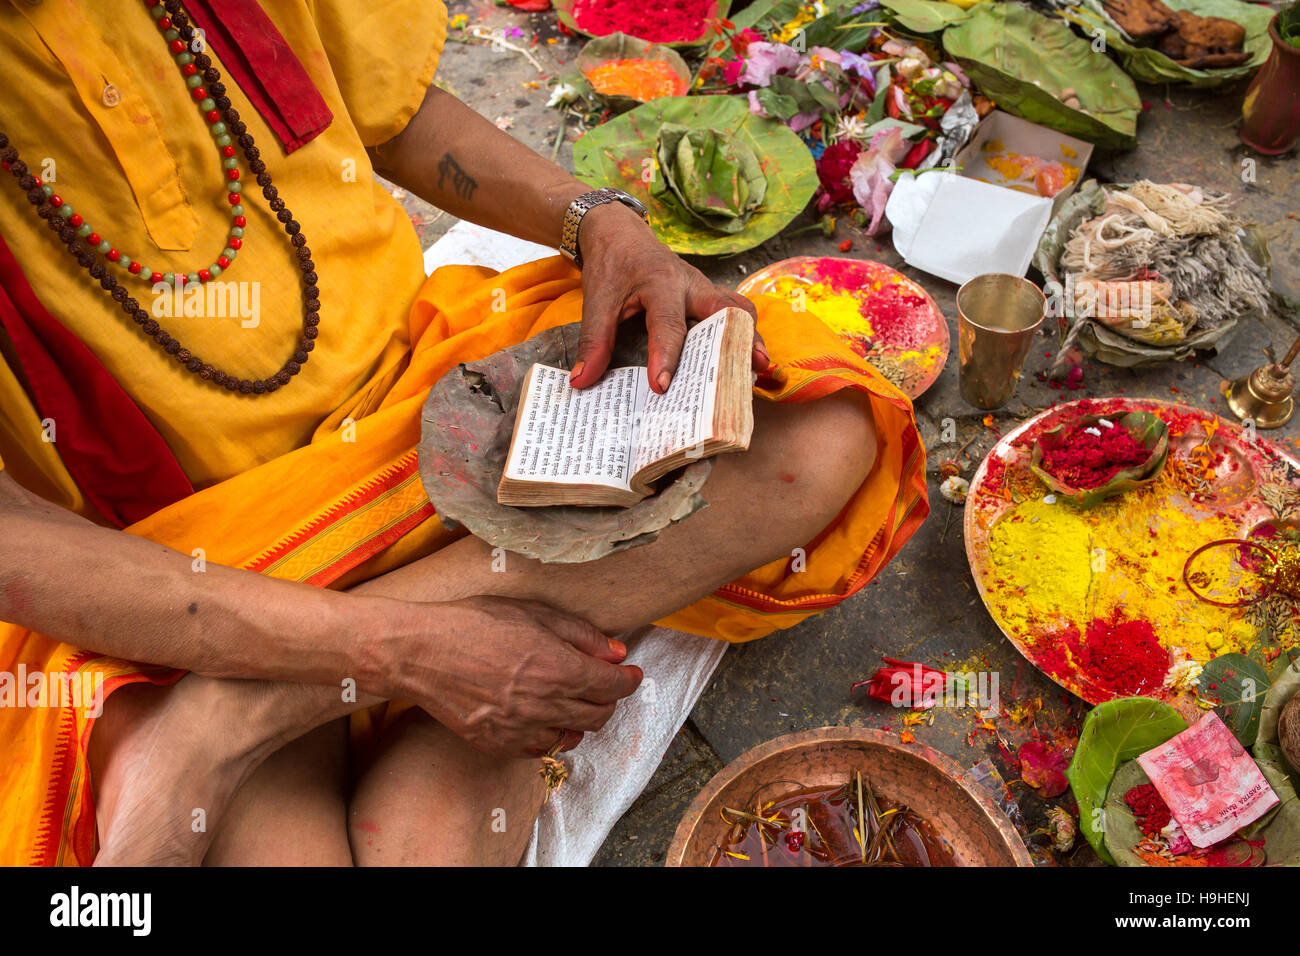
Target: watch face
x=632 y=201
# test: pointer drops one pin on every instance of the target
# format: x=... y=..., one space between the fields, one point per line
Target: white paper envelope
x=958 y=228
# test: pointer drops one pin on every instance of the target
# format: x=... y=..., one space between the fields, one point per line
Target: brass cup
x=997 y=317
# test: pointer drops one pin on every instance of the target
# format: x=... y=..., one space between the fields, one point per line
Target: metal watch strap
x=581 y=206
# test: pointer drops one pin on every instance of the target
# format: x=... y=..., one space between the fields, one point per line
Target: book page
x=682 y=417
x=577 y=437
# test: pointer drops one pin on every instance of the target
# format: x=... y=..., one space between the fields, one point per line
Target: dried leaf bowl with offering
x=1092 y=459
x=1103 y=599
x=1154 y=791
x=1200 y=43
x=624 y=72
x=799 y=800
x=1145 y=273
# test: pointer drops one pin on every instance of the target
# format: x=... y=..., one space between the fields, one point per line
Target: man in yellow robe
x=304 y=578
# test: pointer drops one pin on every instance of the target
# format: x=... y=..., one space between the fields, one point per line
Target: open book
x=607 y=444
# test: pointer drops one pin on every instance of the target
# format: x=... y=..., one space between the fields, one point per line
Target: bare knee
x=806 y=461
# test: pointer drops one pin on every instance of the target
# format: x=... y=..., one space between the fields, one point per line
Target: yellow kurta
x=146 y=175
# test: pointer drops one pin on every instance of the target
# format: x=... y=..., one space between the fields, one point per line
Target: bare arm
x=128 y=597
x=451 y=156
x=501 y=673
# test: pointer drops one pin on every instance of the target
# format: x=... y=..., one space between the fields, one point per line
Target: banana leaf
x=1149 y=65
x=924 y=16
x=620 y=46
x=1024 y=61
x=1236 y=685
x=621 y=153
x=1145 y=427
x=1102 y=343
x=564 y=10
x=1114 y=732
x=708 y=175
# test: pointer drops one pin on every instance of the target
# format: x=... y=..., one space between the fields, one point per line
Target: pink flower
x=870 y=175
x=765 y=60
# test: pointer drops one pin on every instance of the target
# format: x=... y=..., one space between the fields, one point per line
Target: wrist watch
x=584 y=204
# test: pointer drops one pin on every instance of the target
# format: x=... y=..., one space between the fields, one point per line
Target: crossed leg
x=427 y=789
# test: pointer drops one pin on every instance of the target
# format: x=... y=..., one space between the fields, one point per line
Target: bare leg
x=288 y=812
x=804 y=464
x=428 y=798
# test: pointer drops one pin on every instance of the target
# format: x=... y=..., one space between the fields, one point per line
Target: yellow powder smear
x=839 y=310
x=1056 y=564
x=1042 y=556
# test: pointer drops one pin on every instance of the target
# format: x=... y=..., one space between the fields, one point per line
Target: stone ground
x=924 y=605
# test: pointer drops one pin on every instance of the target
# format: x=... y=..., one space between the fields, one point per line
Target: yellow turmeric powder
x=1055 y=564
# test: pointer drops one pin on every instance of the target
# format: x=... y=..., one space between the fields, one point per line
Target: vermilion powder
x=1118 y=655
x=1087 y=460
x=1149 y=808
x=660 y=21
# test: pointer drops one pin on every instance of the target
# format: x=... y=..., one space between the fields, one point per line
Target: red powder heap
x=1085 y=460
x=660 y=21
x=1118 y=656
x=1124 y=656
x=1149 y=808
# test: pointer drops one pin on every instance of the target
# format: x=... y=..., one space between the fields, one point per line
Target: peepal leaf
x=1114 y=732
x=1120 y=830
x=1235 y=685
x=708 y=175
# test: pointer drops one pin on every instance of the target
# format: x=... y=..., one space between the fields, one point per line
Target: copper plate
x=922 y=778
x=1251 y=467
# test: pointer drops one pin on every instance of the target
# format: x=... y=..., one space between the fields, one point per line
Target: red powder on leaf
x=1149 y=808
x=664 y=21
x=1088 y=460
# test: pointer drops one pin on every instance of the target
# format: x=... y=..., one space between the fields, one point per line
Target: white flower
x=954 y=489
x=1184 y=675
x=849 y=127
x=563 y=95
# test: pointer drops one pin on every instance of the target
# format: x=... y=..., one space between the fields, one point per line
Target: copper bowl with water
x=931 y=784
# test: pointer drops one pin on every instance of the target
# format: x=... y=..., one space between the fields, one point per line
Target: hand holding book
x=607 y=444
